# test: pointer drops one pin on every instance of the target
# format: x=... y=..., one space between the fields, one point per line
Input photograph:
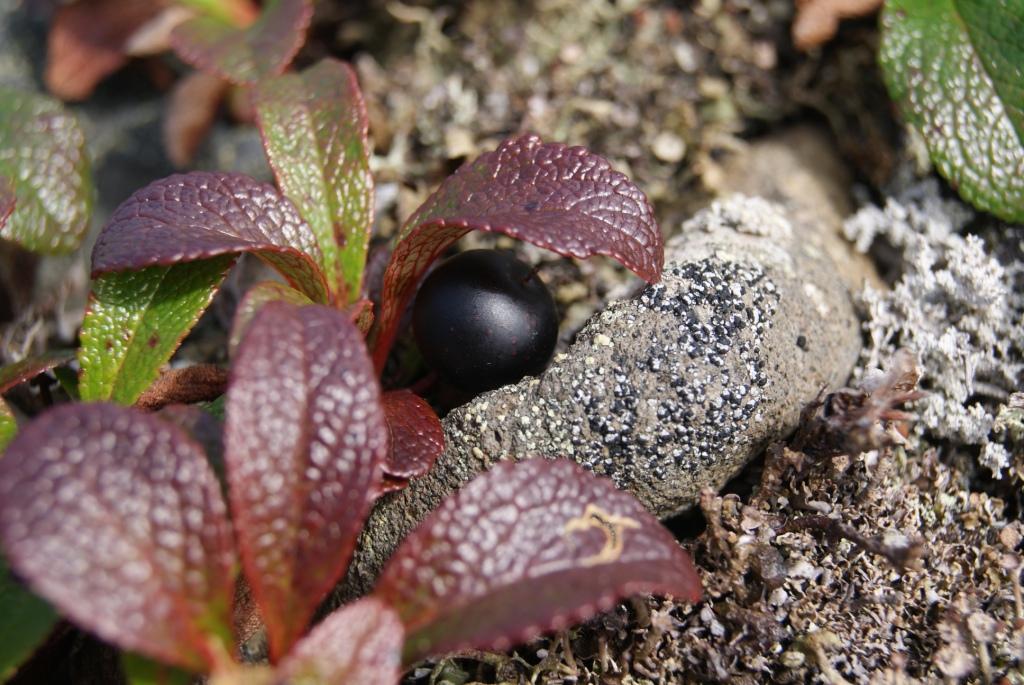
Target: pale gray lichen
x=954 y=306
x=750 y=215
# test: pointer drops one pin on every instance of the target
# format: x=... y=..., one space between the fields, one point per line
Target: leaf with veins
x=314 y=128
x=527 y=547
x=254 y=299
x=565 y=199
x=304 y=442
x=245 y=55
x=359 y=643
x=115 y=517
x=199 y=215
x=30 y=367
x=415 y=434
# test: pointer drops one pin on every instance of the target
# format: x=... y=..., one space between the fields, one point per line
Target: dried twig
x=854 y=420
x=199 y=383
x=902 y=552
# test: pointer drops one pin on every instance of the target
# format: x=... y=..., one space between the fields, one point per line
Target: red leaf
x=565 y=199
x=114 y=516
x=202 y=426
x=30 y=367
x=190 y=114
x=245 y=55
x=186 y=217
x=304 y=442
x=257 y=296
x=7 y=199
x=524 y=548
x=359 y=643
x=416 y=437
x=389 y=484
x=87 y=42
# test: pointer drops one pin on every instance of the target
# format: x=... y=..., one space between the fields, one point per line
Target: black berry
x=483 y=319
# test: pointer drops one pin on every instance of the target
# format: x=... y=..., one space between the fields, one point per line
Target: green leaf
x=215 y=408
x=136 y=321
x=8 y=426
x=314 y=127
x=140 y=670
x=954 y=67
x=43 y=160
x=68 y=380
x=25 y=620
x=231 y=11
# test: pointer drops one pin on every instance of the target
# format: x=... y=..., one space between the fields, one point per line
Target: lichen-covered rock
x=669 y=392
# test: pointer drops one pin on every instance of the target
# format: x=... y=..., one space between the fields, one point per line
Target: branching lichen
x=954 y=306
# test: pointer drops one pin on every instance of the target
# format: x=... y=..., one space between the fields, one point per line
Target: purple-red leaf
x=565 y=199
x=202 y=426
x=257 y=296
x=359 y=643
x=304 y=442
x=416 y=437
x=115 y=517
x=30 y=367
x=186 y=217
x=245 y=55
x=524 y=548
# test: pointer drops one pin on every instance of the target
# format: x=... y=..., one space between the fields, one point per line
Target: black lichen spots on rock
x=704 y=364
x=656 y=390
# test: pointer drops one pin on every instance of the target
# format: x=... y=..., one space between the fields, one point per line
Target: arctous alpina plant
x=116 y=517
x=165 y=251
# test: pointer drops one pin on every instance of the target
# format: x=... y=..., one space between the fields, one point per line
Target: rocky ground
x=867 y=546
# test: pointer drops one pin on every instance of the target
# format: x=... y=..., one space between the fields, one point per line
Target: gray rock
x=672 y=391
x=22 y=44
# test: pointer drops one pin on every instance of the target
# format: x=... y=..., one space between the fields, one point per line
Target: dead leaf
x=817 y=21
x=154 y=36
x=87 y=42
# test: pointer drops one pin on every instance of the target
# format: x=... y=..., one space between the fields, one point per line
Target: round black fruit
x=483 y=319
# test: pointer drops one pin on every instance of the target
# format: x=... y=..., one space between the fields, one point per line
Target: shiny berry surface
x=484 y=319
